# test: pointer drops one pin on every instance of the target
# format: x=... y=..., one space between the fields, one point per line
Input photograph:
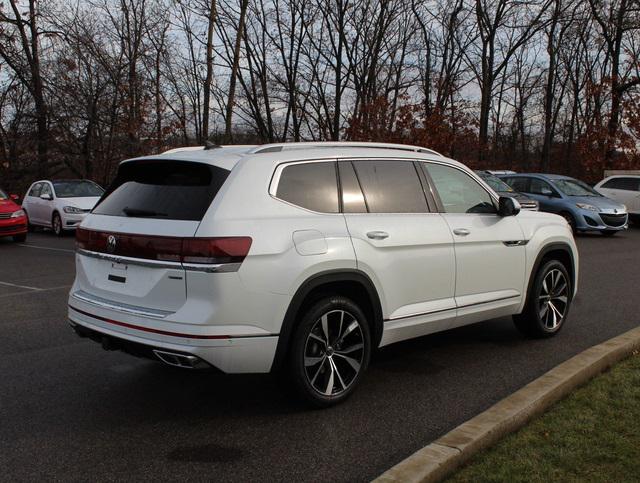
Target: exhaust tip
x=179 y=360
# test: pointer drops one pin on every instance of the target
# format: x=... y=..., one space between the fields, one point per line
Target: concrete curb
x=439 y=459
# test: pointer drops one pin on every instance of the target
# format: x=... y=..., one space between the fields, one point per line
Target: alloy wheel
x=334 y=352
x=57 y=225
x=553 y=300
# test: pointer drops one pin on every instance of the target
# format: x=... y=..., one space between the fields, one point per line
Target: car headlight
x=585 y=206
x=72 y=209
x=17 y=214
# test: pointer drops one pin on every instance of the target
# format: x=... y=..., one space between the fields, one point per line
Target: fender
x=541 y=254
x=313 y=282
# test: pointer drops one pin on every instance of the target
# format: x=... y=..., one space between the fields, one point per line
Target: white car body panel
x=427 y=278
x=630 y=198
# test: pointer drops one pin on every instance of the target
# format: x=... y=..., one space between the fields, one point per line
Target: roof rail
x=279 y=147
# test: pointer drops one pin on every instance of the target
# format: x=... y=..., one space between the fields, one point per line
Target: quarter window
x=459 y=193
x=391 y=186
x=310 y=185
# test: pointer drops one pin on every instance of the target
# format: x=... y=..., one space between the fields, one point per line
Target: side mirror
x=508 y=206
x=14 y=197
x=46 y=197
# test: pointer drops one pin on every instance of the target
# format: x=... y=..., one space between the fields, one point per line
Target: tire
x=548 y=302
x=20 y=238
x=329 y=354
x=56 y=225
x=571 y=220
x=30 y=228
x=609 y=232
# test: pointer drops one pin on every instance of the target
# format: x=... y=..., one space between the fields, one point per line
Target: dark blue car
x=583 y=207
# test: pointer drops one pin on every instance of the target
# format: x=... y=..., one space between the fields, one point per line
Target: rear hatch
x=131 y=247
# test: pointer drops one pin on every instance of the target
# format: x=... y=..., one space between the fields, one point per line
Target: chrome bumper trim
x=194 y=267
x=120 y=307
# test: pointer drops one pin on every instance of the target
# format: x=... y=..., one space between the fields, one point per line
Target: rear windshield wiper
x=136 y=212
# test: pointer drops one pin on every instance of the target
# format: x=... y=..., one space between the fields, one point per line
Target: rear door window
x=518 y=184
x=313 y=186
x=391 y=186
x=169 y=190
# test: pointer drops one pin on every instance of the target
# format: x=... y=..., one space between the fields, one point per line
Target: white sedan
x=623 y=189
x=60 y=204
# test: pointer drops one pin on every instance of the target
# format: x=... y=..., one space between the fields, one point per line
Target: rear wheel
x=56 y=224
x=20 y=238
x=548 y=302
x=330 y=351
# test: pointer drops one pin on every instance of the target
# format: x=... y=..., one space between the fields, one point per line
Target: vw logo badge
x=111 y=243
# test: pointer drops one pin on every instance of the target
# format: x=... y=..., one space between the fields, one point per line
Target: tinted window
x=352 y=197
x=459 y=192
x=35 y=190
x=310 y=185
x=518 y=184
x=76 y=189
x=627 y=184
x=391 y=186
x=172 y=190
x=3 y=195
x=540 y=187
x=496 y=183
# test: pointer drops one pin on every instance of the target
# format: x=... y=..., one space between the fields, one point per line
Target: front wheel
x=571 y=220
x=56 y=224
x=548 y=302
x=330 y=351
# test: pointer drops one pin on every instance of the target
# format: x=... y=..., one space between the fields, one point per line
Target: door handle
x=461 y=231
x=377 y=235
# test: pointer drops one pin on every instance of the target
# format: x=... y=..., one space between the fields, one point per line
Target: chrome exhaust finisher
x=180 y=360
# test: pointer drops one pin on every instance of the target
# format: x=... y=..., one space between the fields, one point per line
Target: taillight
x=219 y=250
x=215 y=250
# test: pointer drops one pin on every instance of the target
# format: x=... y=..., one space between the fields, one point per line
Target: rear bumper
x=228 y=353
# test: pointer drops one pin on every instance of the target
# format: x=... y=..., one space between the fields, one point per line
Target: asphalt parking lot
x=71 y=411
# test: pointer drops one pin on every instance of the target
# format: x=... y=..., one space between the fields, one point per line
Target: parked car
x=503 y=189
x=60 y=204
x=305 y=257
x=13 y=221
x=623 y=189
x=583 y=207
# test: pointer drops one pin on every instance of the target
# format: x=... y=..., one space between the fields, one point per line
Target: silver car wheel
x=553 y=300
x=334 y=352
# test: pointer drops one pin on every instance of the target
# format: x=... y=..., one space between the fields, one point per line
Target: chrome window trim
x=119 y=306
x=140 y=262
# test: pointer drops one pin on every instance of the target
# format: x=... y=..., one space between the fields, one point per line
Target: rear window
x=169 y=190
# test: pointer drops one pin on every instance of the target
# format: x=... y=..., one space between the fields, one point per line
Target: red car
x=13 y=221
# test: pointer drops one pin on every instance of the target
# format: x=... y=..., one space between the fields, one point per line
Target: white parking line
x=19 y=286
x=47 y=248
x=32 y=290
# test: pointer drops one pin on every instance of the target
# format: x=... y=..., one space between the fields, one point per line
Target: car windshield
x=496 y=183
x=574 y=187
x=77 y=189
x=3 y=195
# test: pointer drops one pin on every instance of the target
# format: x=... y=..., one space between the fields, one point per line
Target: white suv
x=306 y=257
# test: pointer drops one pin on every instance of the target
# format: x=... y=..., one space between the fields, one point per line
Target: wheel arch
x=351 y=283
x=554 y=251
